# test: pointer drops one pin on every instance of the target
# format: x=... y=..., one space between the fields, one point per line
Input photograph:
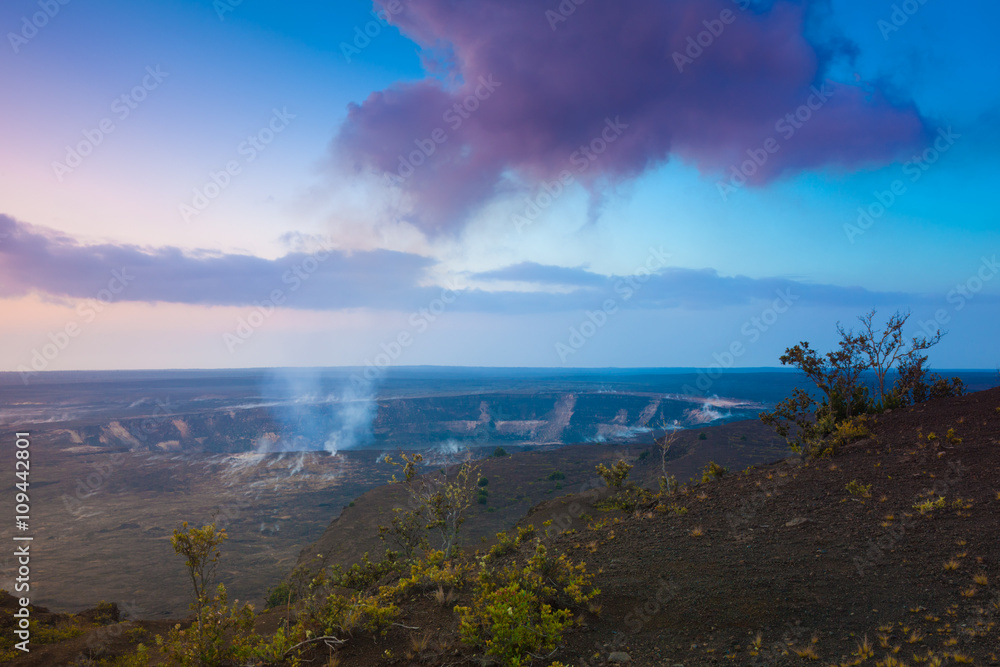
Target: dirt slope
x=786 y=551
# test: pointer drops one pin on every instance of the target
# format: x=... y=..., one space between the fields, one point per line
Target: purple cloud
x=533 y=92
x=34 y=259
x=38 y=260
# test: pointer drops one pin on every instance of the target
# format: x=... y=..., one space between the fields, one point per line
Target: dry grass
x=808 y=652
x=443 y=598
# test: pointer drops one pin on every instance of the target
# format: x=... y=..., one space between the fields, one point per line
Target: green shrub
x=510 y=623
x=628 y=499
x=614 y=476
x=279 y=596
x=812 y=425
x=364 y=576
x=712 y=471
x=499 y=452
x=343 y=614
x=212 y=640
x=520 y=611
x=556 y=475
x=929 y=505
x=107 y=613
x=856 y=488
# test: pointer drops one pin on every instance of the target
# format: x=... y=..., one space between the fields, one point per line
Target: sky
x=646 y=183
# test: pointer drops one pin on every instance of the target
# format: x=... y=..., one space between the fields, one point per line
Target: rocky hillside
x=885 y=554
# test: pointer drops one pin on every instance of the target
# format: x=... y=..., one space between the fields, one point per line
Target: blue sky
x=447 y=256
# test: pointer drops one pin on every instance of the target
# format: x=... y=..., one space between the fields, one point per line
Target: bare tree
x=665 y=444
x=808 y=421
x=887 y=349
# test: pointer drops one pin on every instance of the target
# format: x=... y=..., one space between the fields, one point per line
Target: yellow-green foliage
x=522 y=610
x=364 y=575
x=40 y=634
x=668 y=485
x=209 y=643
x=712 y=472
x=856 y=488
x=848 y=431
x=510 y=623
x=51 y=634
x=342 y=614
x=676 y=509
x=428 y=574
x=138 y=659
x=107 y=613
x=629 y=498
x=930 y=505
x=507 y=544
x=614 y=476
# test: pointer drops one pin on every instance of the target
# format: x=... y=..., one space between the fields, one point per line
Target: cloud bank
x=35 y=260
x=527 y=88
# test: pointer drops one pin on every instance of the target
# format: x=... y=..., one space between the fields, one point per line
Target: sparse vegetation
x=928 y=506
x=817 y=428
x=628 y=496
x=712 y=471
x=614 y=476
x=859 y=490
x=222 y=633
x=519 y=602
x=439 y=502
x=666 y=444
x=518 y=611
